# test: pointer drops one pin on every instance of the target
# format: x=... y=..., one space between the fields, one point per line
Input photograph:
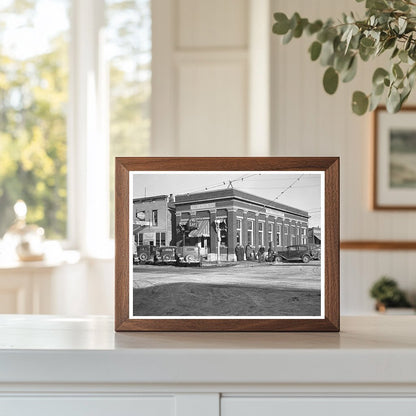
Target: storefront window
x=250 y=227
x=223 y=233
x=160 y=239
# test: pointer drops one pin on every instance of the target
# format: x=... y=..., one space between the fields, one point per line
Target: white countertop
x=53 y=349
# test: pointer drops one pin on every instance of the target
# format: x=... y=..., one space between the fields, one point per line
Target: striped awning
x=137 y=228
x=202 y=229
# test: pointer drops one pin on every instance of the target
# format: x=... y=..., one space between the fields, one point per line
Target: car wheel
x=143 y=257
x=166 y=257
x=306 y=259
x=279 y=259
x=190 y=258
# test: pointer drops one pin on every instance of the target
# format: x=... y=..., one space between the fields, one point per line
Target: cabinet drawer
x=273 y=406
x=87 y=406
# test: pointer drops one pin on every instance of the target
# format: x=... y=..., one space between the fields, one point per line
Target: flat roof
x=231 y=193
x=150 y=198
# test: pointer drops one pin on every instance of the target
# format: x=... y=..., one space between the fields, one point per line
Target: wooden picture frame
x=391 y=174
x=134 y=170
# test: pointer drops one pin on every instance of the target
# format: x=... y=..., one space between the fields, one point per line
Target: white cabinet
x=271 y=406
x=79 y=366
x=88 y=406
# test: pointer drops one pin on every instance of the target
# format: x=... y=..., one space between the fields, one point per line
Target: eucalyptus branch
x=389 y=25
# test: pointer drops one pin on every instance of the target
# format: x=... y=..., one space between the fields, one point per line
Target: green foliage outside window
x=33 y=99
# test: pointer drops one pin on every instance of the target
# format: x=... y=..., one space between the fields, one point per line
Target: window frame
x=250 y=232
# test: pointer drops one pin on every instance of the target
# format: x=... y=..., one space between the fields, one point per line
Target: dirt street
x=242 y=289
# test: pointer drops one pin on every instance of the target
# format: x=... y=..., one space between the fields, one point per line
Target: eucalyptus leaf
x=327 y=53
x=359 y=103
x=393 y=101
x=315 y=50
x=374 y=102
x=314 y=27
x=402 y=22
x=395 y=52
x=397 y=71
x=403 y=56
x=281 y=27
x=379 y=75
x=330 y=80
x=378 y=89
x=351 y=72
x=288 y=37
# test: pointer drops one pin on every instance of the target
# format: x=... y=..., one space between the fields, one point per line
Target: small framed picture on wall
x=394 y=178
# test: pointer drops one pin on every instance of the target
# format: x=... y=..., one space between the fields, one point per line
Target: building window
x=270 y=236
x=223 y=233
x=154 y=218
x=56 y=127
x=304 y=239
x=278 y=235
x=160 y=239
x=286 y=228
x=261 y=234
x=140 y=239
x=239 y=232
x=250 y=227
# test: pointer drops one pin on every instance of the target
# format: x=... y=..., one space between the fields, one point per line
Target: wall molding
x=377 y=245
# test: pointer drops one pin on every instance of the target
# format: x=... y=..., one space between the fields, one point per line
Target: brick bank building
x=223 y=218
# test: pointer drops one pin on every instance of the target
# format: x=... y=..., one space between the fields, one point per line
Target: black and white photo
x=226 y=244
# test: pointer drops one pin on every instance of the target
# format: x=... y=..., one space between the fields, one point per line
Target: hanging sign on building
x=203 y=206
x=148 y=236
x=141 y=215
x=142 y=223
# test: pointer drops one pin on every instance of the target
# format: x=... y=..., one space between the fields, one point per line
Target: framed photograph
x=394 y=179
x=227 y=244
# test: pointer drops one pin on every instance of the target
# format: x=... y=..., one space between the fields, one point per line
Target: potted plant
x=387 y=294
x=389 y=27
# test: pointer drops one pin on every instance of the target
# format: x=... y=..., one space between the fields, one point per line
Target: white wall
x=203 y=81
x=213 y=80
x=308 y=122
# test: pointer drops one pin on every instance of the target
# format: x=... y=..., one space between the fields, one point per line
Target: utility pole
x=217 y=227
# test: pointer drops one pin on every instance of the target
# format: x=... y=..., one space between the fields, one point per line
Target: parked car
x=166 y=254
x=146 y=253
x=135 y=256
x=301 y=252
x=188 y=255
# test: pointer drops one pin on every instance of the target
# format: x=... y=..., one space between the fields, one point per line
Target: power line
x=289 y=187
x=228 y=183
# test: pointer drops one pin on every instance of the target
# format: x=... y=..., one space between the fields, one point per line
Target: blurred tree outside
x=33 y=99
x=129 y=43
x=34 y=71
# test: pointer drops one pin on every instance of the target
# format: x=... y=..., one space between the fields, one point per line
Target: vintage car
x=135 y=256
x=146 y=253
x=188 y=255
x=165 y=254
x=301 y=252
